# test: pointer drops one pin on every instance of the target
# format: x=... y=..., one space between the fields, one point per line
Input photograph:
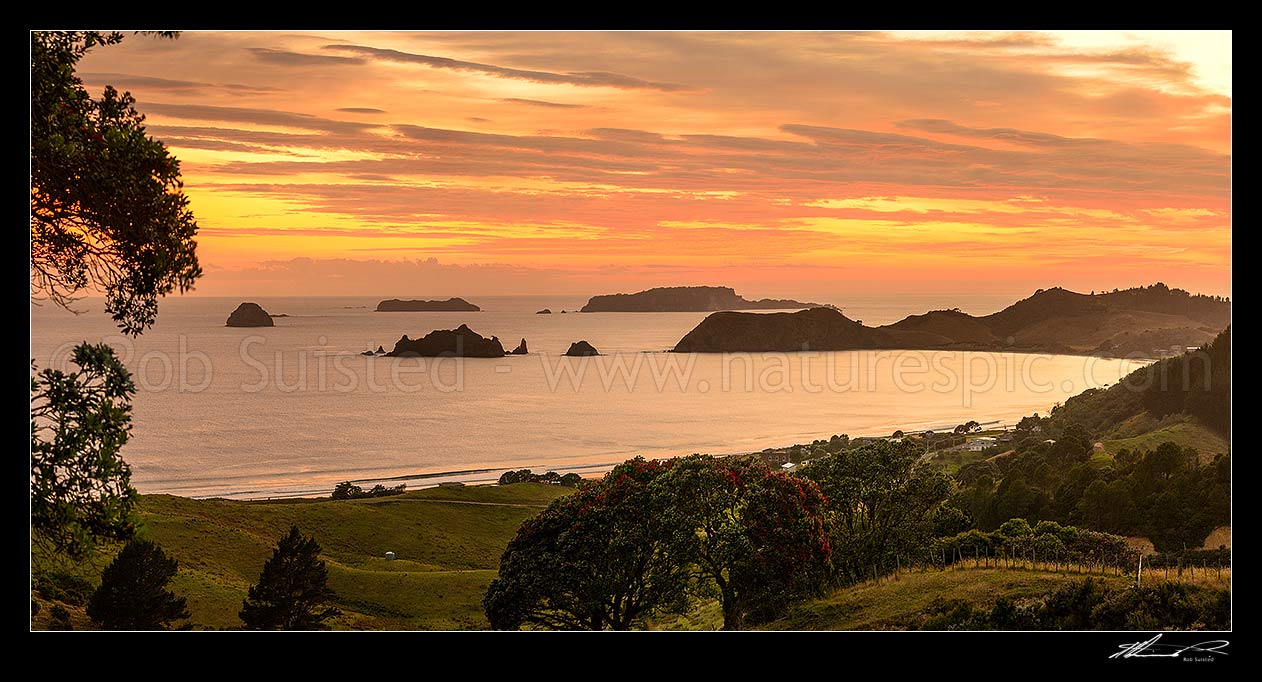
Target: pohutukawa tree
x=598 y=559
x=758 y=539
x=107 y=216
x=107 y=209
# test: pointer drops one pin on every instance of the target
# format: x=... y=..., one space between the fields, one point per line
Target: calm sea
x=295 y=408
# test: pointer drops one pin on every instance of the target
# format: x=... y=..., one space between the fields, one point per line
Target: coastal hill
x=1149 y=321
x=685 y=299
x=395 y=305
x=820 y=329
x=1137 y=403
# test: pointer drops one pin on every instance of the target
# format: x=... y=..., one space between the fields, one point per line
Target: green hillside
x=447 y=542
x=911 y=601
x=1190 y=434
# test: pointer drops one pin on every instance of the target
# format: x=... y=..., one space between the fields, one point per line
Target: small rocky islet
x=250 y=315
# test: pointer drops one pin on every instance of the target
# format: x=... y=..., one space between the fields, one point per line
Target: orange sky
x=468 y=163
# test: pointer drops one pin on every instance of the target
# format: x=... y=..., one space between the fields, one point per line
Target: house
x=788 y=467
x=980 y=443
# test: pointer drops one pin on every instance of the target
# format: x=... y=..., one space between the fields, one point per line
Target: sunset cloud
x=810 y=161
x=582 y=78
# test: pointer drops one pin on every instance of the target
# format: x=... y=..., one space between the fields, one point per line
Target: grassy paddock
x=892 y=602
x=1186 y=434
x=447 y=542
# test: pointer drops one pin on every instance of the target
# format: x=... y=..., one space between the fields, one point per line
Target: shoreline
x=481 y=476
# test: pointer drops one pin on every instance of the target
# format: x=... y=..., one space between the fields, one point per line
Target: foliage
x=349 y=491
x=1196 y=383
x=950 y=520
x=1163 y=494
x=63 y=587
x=600 y=558
x=1047 y=542
x=292 y=591
x=882 y=502
x=649 y=534
x=510 y=477
x=1091 y=604
x=967 y=427
x=59 y=618
x=758 y=538
x=80 y=486
x=107 y=210
x=133 y=593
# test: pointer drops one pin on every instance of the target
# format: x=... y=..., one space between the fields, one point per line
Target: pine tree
x=291 y=593
x=133 y=594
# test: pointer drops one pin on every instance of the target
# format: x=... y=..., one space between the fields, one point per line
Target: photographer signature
x=1153 y=649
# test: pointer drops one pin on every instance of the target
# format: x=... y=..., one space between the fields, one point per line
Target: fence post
x=1139 y=572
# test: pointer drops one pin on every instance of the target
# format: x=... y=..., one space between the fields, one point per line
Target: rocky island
x=250 y=315
x=459 y=342
x=685 y=299
x=1149 y=322
x=580 y=349
x=520 y=349
x=395 y=305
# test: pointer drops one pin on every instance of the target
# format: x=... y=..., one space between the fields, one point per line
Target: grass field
x=447 y=542
x=1187 y=434
x=894 y=604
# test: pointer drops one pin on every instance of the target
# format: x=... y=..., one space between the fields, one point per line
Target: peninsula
x=1149 y=322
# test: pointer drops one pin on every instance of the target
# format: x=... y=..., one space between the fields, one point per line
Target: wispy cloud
x=541 y=103
x=580 y=78
x=150 y=83
x=287 y=58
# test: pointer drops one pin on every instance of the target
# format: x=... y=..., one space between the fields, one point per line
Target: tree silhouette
x=107 y=210
x=599 y=558
x=133 y=594
x=80 y=486
x=291 y=593
x=107 y=215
